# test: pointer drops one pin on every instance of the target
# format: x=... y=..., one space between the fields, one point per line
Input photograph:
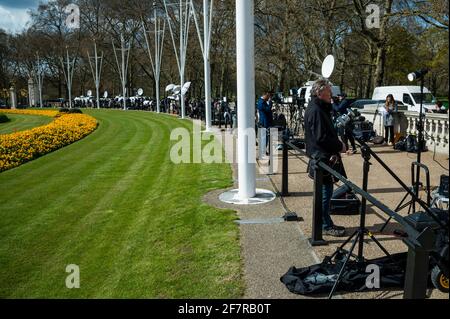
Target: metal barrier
x=419 y=244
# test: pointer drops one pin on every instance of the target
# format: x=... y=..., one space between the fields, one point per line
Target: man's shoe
x=334 y=231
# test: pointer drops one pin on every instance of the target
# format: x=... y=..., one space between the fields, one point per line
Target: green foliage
x=4 y=118
x=70 y=111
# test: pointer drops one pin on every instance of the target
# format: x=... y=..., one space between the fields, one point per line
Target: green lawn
x=116 y=206
x=23 y=122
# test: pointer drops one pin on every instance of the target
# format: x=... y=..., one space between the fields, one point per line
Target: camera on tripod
x=357 y=124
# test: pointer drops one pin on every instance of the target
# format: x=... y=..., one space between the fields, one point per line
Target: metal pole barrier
x=285 y=173
x=316 y=236
x=262 y=143
x=270 y=139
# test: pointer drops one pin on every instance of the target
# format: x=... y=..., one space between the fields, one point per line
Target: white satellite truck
x=408 y=95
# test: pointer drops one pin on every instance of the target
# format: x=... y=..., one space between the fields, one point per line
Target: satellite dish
x=177 y=89
x=328 y=66
x=170 y=87
x=89 y=93
x=185 y=88
x=105 y=95
x=140 y=92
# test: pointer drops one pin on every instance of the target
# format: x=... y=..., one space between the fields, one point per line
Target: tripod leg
x=375 y=240
x=399 y=208
x=385 y=225
x=343 y=245
x=347 y=258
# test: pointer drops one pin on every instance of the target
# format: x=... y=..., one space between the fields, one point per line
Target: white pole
x=205 y=44
x=159 y=46
x=182 y=53
x=246 y=97
x=207 y=64
x=157 y=61
x=124 y=75
x=69 y=79
x=40 y=76
x=184 y=21
x=97 y=80
x=123 y=68
x=96 y=74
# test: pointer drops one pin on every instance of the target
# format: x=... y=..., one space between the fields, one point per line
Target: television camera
x=354 y=122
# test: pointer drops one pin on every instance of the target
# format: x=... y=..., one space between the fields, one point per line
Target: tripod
x=358 y=236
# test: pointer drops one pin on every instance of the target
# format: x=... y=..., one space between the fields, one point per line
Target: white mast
x=184 y=20
x=123 y=66
x=159 y=46
x=205 y=44
x=39 y=76
x=68 y=74
x=97 y=71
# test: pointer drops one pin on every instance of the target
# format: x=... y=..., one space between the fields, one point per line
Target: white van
x=408 y=95
x=305 y=92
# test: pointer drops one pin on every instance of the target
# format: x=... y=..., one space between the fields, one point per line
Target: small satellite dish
x=177 y=90
x=328 y=66
x=140 y=92
x=105 y=95
x=89 y=93
x=185 y=88
x=170 y=87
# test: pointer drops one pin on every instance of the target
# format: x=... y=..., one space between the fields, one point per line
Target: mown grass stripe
x=153 y=239
x=20 y=123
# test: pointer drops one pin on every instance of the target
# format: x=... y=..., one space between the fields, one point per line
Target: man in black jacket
x=322 y=141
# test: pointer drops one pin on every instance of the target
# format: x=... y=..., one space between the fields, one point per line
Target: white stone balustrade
x=435 y=125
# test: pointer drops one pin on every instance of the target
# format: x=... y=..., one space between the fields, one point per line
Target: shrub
x=4 y=118
x=70 y=111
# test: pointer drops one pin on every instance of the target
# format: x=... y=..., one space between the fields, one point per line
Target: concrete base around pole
x=262 y=197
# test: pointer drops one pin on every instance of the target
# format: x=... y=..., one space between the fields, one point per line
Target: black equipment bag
x=345 y=202
x=411 y=144
x=401 y=145
x=320 y=279
x=364 y=130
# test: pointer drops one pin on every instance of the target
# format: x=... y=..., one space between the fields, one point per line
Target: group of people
x=323 y=140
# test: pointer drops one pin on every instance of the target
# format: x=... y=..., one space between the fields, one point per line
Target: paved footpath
x=271 y=246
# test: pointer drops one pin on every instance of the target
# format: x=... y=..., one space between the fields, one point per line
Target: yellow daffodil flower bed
x=21 y=147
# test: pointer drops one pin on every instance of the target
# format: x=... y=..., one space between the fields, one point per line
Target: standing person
x=227 y=115
x=343 y=108
x=265 y=116
x=322 y=141
x=388 y=118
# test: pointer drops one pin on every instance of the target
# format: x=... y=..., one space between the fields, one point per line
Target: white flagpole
x=246 y=97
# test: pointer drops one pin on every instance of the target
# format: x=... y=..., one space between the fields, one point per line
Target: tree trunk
x=381 y=45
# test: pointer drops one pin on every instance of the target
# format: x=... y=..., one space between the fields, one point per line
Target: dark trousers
x=389 y=134
x=348 y=136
